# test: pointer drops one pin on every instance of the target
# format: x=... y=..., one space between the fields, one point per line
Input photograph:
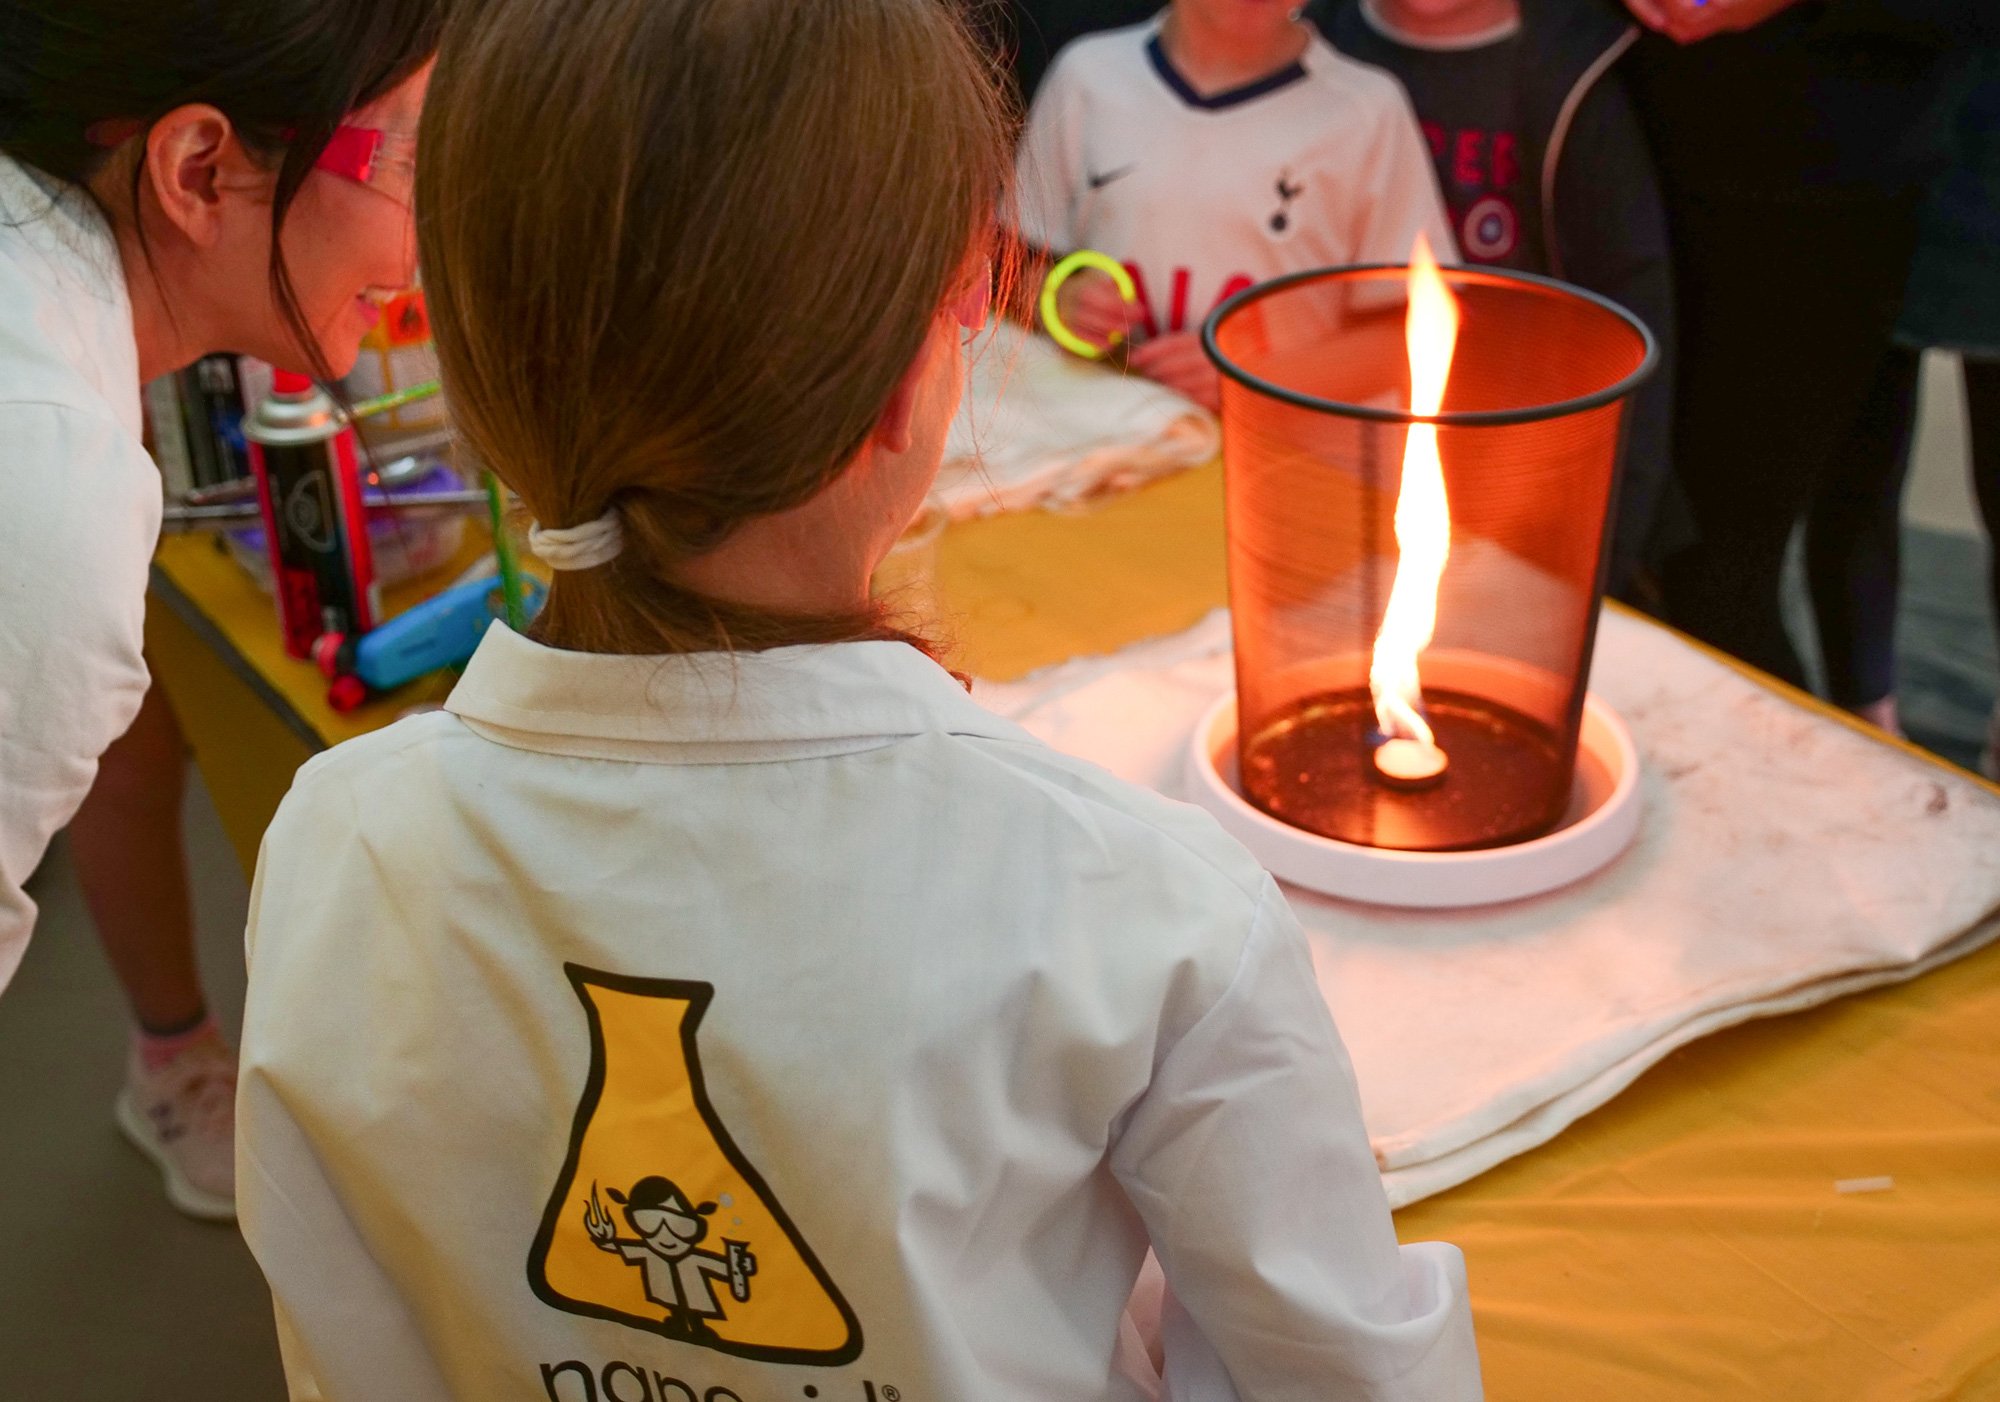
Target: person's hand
x=1179 y=363
x=1691 y=21
x=1091 y=307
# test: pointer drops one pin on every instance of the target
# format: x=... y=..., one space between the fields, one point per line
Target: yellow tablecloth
x=1684 y=1243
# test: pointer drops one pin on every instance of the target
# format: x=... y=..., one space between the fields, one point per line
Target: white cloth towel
x=1040 y=428
x=1784 y=860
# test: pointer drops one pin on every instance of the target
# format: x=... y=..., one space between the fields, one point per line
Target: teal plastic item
x=440 y=632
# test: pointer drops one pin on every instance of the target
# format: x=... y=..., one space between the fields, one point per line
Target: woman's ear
x=194 y=164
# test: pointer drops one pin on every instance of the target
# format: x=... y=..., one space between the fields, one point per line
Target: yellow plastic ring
x=1060 y=274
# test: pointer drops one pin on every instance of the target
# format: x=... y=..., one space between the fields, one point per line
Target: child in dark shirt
x=1544 y=170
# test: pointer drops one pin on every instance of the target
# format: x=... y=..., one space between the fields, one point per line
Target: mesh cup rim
x=1459 y=418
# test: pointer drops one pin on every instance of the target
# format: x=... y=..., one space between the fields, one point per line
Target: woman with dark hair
x=176 y=178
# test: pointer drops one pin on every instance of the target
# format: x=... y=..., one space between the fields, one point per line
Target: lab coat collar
x=708 y=707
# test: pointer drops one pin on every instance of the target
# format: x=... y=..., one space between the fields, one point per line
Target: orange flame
x=1423 y=514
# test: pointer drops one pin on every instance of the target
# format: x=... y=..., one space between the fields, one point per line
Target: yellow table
x=1685 y=1242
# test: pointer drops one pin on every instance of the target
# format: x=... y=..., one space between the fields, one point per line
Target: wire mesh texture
x=1315 y=414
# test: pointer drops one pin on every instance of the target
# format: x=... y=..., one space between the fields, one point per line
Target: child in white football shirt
x=1215 y=146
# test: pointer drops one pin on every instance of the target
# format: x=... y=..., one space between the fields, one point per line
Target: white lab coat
x=79 y=516
x=986 y=1021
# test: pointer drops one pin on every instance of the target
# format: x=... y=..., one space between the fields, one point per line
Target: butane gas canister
x=302 y=451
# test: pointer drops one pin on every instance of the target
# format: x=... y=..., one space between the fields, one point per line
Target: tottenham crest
x=657 y=1220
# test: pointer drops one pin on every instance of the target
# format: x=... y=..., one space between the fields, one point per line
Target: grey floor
x=1947 y=659
x=106 y=1291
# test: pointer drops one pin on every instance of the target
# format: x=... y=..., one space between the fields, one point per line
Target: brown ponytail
x=680 y=252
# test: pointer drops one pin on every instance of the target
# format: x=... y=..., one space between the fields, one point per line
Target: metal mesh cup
x=1315 y=411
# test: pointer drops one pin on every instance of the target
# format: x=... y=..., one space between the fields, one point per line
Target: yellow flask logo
x=657 y=1220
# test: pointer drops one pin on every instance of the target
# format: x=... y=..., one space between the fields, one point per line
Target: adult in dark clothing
x=1854 y=533
x=1789 y=139
x=1544 y=169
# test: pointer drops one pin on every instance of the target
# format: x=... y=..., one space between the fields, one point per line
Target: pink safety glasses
x=381 y=160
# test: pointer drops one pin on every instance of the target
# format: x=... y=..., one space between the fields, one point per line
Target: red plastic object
x=326 y=654
x=346 y=693
x=290 y=382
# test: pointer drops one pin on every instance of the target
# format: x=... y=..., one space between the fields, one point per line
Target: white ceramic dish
x=1602 y=819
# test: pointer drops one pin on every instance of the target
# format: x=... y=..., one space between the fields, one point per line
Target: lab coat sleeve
x=344 y=1332
x=80 y=517
x=1048 y=168
x=362 y=1344
x=1395 y=194
x=299 y=1381
x=1249 y=1163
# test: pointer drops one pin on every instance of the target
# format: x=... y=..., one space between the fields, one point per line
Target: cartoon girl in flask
x=668 y=1250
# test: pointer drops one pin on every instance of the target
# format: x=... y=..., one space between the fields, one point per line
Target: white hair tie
x=583 y=547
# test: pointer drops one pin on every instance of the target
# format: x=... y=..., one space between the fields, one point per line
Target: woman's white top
x=79 y=516
x=788 y=1026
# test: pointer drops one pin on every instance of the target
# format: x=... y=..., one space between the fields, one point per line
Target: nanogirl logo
x=618 y=1381
x=657 y=1220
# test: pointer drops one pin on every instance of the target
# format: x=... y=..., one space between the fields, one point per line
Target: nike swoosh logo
x=1098 y=182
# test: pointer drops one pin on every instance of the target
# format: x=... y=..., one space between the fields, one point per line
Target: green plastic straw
x=397 y=398
x=503 y=555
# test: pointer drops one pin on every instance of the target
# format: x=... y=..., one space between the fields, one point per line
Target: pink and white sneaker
x=183 y=1117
